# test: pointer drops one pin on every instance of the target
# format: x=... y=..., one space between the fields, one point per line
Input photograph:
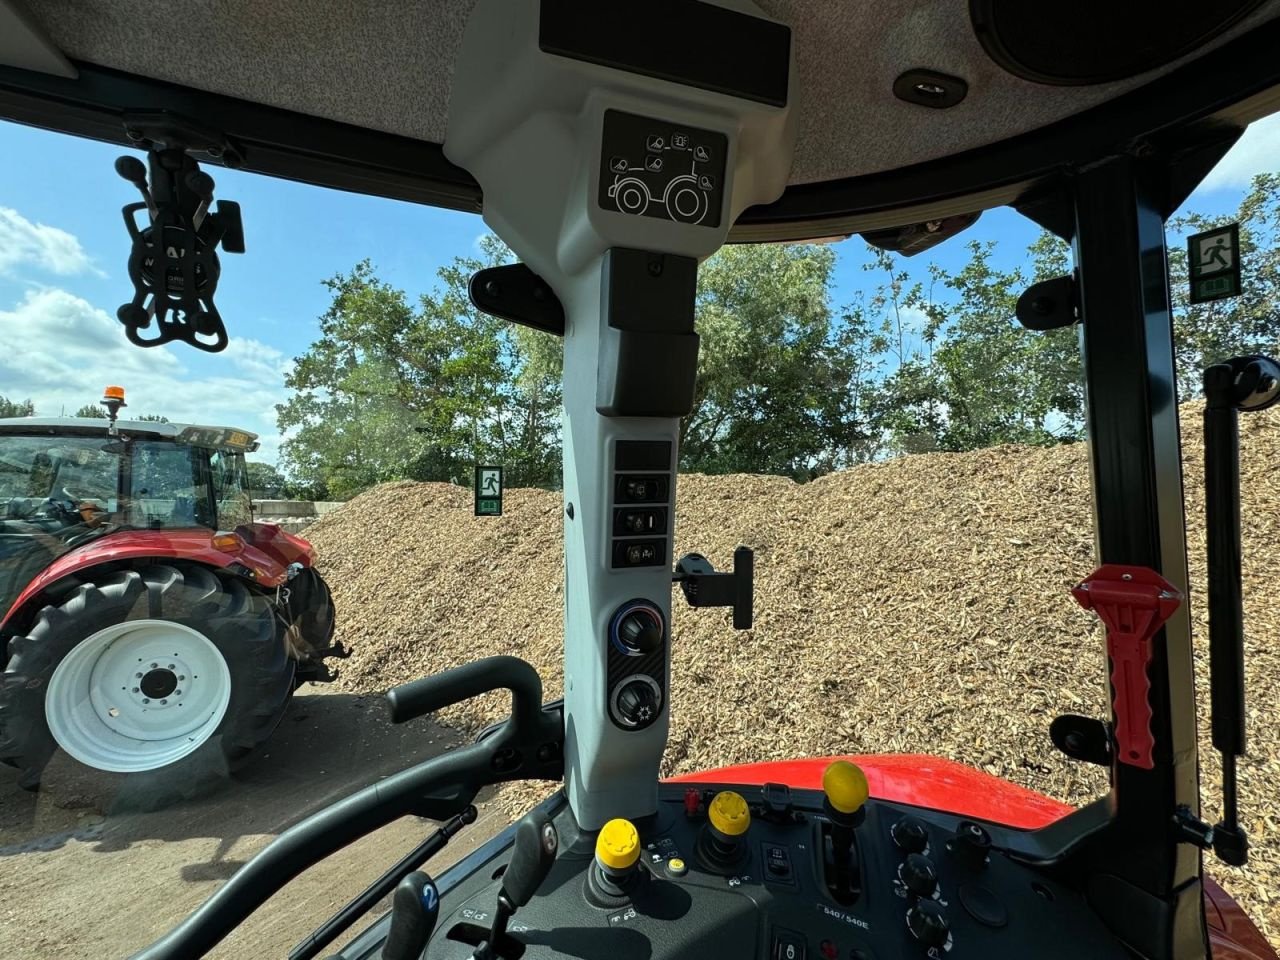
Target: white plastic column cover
x=527 y=125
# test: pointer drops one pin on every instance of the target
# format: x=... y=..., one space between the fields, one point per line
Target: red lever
x=1133 y=603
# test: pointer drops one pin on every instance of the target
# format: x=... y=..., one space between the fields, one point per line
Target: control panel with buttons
x=740 y=871
x=650 y=168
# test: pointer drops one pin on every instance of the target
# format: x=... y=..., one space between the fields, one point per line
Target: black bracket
x=173 y=263
x=1049 y=304
x=1082 y=738
x=703 y=587
x=517 y=294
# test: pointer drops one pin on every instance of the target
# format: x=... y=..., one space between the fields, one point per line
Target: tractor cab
x=614 y=150
x=67 y=481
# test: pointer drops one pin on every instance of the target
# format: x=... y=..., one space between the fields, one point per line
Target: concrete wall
x=293 y=515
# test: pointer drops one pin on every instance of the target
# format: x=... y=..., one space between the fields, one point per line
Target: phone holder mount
x=173 y=262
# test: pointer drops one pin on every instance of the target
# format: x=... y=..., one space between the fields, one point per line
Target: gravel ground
x=917 y=605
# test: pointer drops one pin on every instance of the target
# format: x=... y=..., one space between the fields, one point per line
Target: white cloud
x=64 y=351
x=24 y=244
x=1258 y=151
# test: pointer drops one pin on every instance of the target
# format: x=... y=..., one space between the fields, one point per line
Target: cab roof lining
x=388 y=66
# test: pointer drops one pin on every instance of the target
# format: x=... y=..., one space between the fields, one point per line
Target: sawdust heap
x=917 y=605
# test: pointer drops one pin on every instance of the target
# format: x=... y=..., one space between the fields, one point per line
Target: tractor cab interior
x=613 y=158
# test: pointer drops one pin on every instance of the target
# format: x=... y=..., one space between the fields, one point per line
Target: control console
x=769 y=873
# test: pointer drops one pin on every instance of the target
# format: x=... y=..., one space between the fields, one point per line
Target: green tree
x=1206 y=333
x=771 y=392
x=393 y=390
x=95 y=411
x=979 y=377
x=265 y=481
x=16 y=408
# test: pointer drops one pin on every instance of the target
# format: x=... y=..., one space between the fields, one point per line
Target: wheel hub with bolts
x=165 y=680
x=138 y=695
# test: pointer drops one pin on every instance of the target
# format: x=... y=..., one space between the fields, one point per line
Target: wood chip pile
x=916 y=605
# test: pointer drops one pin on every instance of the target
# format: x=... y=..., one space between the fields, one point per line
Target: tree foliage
x=770 y=394
x=1207 y=333
x=16 y=408
x=787 y=382
x=421 y=391
x=266 y=482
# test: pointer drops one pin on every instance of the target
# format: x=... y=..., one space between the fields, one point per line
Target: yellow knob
x=618 y=845
x=729 y=813
x=845 y=785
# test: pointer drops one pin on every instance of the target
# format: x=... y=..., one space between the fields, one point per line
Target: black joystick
x=532 y=856
x=928 y=924
x=415 y=907
x=970 y=845
x=845 y=788
x=918 y=875
x=910 y=835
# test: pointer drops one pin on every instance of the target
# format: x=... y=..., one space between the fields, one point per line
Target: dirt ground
x=80 y=882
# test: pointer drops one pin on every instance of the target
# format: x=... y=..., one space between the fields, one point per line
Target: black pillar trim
x=1127 y=341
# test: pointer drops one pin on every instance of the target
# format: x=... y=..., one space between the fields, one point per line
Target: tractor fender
x=277 y=543
x=266 y=555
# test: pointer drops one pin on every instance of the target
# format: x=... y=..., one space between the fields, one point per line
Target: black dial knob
x=928 y=924
x=637 y=702
x=970 y=845
x=910 y=835
x=918 y=875
x=639 y=631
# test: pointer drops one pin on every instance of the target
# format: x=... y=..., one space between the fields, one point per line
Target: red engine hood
x=268 y=551
x=912 y=778
x=944 y=785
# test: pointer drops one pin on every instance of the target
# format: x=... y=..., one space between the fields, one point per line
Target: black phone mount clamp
x=704 y=587
x=173 y=263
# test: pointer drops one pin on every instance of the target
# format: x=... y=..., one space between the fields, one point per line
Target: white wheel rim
x=137 y=696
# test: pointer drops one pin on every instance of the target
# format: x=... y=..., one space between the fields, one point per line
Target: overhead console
x=613 y=161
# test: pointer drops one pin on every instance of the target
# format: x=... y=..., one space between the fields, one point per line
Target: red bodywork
x=949 y=787
x=267 y=552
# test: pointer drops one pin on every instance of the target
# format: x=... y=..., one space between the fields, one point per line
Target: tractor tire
x=102 y=673
x=312 y=605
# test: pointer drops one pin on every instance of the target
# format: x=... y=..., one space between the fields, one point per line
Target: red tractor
x=150 y=626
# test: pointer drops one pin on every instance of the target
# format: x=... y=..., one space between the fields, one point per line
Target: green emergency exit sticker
x=488 y=491
x=1213 y=263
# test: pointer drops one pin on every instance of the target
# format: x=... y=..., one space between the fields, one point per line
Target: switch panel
x=651 y=168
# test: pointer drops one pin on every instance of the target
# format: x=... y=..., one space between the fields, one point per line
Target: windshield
x=67 y=471
x=906 y=460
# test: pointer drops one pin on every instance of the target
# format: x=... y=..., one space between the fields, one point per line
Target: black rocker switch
x=532 y=855
x=415 y=907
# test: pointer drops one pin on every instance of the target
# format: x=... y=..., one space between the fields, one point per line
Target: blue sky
x=63 y=249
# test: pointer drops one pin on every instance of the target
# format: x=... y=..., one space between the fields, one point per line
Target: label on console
x=623 y=916
x=836 y=913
